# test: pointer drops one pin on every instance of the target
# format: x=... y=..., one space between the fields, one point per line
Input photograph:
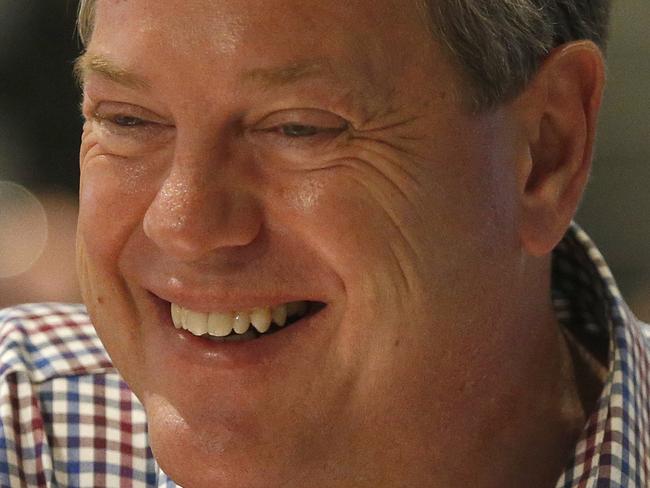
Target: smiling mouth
x=242 y=325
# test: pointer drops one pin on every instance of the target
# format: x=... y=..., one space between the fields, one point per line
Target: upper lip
x=211 y=301
x=235 y=292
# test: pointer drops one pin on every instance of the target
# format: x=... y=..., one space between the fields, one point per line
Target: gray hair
x=497 y=45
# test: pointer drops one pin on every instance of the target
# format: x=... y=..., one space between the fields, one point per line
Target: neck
x=539 y=401
x=536 y=443
x=519 y=422
x=540 y=407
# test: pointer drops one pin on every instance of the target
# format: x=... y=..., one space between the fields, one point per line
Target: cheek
x=112 y=200
x=355 y=228
x=109 y=211
x=398 y=232
x=304 y=198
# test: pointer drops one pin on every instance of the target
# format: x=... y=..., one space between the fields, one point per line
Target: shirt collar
x=614 y=448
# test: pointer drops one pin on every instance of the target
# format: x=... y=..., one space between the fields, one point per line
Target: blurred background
x=39 y=139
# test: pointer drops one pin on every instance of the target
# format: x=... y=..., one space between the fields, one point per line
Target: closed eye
x=126 y=121
x=121 y=121
x=294 y=130
x=301 y=123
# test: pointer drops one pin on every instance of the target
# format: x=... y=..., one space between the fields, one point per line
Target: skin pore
x=252 y=152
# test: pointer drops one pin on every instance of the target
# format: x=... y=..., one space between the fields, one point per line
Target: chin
x=212 y=455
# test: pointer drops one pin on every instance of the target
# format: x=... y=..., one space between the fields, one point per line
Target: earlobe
x=565 y=96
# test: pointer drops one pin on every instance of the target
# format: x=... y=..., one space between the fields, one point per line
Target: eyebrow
x=291 y=73
x=272 y=77
x=96 y=63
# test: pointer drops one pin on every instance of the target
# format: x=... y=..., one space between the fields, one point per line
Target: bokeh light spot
x=23 y=229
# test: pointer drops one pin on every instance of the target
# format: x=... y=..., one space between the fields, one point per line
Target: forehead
x=249 y=34
x=223 y=24
x=232 y=15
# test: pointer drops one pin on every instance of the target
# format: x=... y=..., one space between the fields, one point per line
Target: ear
x=559 y=108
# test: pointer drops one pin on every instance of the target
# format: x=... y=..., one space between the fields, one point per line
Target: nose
x=200 y=209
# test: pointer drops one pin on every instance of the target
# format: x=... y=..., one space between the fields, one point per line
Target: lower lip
x=186 y=348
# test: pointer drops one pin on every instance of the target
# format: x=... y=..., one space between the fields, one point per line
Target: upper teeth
x=220 y=324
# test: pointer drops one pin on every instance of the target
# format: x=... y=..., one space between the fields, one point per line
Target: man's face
x=246 y=154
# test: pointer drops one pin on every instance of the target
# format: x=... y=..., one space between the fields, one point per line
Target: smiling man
x=329 y=244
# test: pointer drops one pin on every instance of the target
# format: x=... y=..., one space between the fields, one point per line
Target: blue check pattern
x=67 y=419
x=614 y=449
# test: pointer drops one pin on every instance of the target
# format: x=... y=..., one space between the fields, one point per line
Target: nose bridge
x=204 y=203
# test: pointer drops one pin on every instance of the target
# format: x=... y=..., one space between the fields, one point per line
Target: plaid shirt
x=69 y=420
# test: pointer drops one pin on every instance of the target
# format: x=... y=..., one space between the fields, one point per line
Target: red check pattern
x=67 y=419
